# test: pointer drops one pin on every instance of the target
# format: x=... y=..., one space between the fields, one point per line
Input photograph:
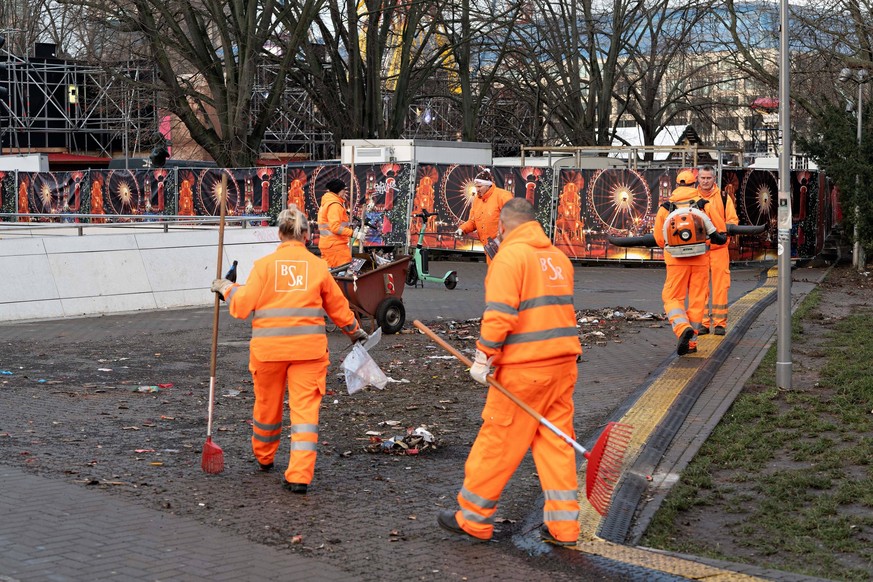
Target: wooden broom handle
x=221 y=213
x=493 y=381
x=467 y=362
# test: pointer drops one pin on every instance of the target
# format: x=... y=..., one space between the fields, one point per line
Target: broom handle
x=493 y=381
x=217 y=309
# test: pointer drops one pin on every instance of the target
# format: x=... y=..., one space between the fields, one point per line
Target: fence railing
x=67 y=224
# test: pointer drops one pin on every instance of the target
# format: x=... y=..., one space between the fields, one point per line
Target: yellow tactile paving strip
x=645 y=416
x=660 y=562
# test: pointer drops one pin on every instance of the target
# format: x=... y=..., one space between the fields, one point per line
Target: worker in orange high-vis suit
x=485 y=210
x=529 y=332
x=287 y=294
x=334 y=230
x=719 y=255
x=687 y=274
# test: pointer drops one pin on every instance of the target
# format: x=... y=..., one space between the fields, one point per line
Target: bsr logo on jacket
x=291 y=276
x=553 y=272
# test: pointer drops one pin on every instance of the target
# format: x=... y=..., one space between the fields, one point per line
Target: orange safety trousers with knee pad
x=720 y=275
x=508 y=432
x=683 y=282
x=306 y=384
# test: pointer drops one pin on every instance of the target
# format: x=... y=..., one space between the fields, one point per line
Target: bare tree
x=207 y=54
x=25 y=23
x=670 y=68
x=366 y=62
x=568 y=56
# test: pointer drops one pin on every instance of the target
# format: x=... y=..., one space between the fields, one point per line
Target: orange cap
x=686 y=178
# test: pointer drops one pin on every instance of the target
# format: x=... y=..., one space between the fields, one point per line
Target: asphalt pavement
x=54 y=530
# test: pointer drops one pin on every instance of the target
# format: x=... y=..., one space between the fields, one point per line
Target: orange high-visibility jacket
x=682 y=195
x=723 y=206
x=333 y=222
x=287 y=293
x=529 y=316
x=485 y=212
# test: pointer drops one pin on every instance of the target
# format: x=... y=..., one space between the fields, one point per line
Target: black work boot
x=547 y=537
x=299 y=488
x=447 y=521
x=684 y=340
x=704 y=330
x=719 y=330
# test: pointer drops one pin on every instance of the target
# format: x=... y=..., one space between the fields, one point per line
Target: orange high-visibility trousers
x=507 y=433
x=336 y=255
x=720 y=277
x=685 y=283
x=306 y=381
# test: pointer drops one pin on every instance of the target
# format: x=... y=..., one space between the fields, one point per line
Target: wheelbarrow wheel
x=391 y=315
x=412 y=275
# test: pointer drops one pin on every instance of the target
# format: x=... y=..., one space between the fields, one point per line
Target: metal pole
x=783 y=320
x=858 y=259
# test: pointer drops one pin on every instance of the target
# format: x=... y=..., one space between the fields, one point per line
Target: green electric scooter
x=418 y=266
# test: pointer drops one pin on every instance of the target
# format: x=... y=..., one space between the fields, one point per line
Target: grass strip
x=785 y=481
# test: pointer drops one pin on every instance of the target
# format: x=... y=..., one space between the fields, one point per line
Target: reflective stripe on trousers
x=505 y=436
x=720 y=277
x=306 y=383
x=681 y=282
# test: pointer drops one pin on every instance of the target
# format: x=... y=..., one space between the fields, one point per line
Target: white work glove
x=360 y=233
x=221 y=286
x=359 y=336
x=481 y=368
x=459 y=233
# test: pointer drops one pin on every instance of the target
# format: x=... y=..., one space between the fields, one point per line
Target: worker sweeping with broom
x=287 y=294
x=529 y=332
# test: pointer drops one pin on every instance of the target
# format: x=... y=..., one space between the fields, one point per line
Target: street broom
x=212 y=460
x=604 y=459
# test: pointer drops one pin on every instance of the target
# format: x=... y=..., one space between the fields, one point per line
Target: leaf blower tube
x=648 y=240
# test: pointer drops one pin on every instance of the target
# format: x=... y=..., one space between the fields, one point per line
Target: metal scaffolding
x=64 y=106
x=57 y=105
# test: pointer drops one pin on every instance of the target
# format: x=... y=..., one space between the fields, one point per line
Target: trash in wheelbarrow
x=349 y=269
x=360 y=368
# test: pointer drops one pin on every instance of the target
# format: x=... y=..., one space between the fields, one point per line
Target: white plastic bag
x=361 y=370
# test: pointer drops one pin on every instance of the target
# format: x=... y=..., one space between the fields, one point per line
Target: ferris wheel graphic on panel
x=620 y=200
x=759 y=197
x=458 y=191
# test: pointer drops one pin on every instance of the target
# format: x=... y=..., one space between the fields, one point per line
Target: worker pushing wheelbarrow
x=376 y=293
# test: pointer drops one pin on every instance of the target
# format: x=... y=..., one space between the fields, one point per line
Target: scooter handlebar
x=424 y=214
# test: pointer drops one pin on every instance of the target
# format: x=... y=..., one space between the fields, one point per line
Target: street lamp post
x=859 y=77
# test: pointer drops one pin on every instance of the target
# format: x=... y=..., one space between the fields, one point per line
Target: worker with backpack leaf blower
x=684 y=227
x=287 y=294
x=529 y=332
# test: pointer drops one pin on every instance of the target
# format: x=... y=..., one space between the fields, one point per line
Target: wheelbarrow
x=376 y=294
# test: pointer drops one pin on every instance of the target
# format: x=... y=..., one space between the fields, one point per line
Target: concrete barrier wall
x=69 y=276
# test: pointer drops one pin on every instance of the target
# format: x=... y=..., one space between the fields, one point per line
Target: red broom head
x=604 y=465
x=213 y=457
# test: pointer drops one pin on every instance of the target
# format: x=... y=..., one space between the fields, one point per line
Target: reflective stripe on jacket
x=727 y=210
x=287 y=293
x=485 y=212
x=333 y=222
x=685 y=194
x=529 y=316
